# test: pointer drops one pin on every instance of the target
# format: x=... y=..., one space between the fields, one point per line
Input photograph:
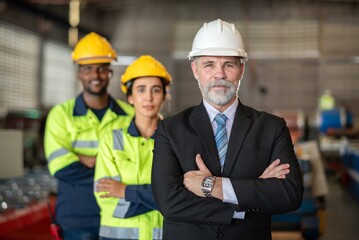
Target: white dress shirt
x=229 y=195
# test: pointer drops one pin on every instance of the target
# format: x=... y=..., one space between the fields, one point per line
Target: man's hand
x=192 y=180
x=276 y=170
x=111 y=188
x=88 y=161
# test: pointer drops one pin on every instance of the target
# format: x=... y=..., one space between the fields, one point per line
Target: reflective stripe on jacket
x=73 y=129
x=126 y=156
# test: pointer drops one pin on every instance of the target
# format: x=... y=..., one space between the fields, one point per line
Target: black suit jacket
x=256 y=140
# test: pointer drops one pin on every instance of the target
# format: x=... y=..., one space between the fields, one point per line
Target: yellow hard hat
x=144 y=66
x=93 y=49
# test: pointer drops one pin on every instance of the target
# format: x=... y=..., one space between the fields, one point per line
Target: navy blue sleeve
x=141 y=194
x=136 y=209
x=76 y=173
x=141 y=198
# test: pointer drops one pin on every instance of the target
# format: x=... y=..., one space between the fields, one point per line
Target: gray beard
x=219 y=97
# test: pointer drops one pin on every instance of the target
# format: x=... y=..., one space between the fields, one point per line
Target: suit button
x=219 y=235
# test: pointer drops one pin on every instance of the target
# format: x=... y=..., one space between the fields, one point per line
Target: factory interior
x=303 y=66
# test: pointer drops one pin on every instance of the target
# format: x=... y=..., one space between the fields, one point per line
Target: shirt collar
x=81 y=108
x=229 y=112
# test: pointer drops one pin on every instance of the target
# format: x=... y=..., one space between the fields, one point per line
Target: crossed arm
x=88 y=161
x=192 y=179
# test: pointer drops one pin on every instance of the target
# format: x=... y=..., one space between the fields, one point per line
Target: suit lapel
x=241 y=125
x=203 y=128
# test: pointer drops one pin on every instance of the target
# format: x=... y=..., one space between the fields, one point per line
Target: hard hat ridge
x=218 y=38
x=93 y=49
x=144 y=66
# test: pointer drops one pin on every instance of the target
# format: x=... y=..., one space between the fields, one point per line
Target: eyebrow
x=141 y=86
x=206 y=61
x=225 y=62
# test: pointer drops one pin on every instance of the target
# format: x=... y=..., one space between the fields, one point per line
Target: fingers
x=203 y=170
x=200 y=163
x=104 y=185
x=105 y=181
x=273 y=164
x=192 y=182
x=190 y=174
x=270 y=167
x=276 y=170
x=201 y=166
x=106 y=195
x=103 y=189
x=192 y=179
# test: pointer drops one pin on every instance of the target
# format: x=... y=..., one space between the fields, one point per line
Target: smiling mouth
x=95 y=82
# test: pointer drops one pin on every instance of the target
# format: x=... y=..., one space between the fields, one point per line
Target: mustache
x=94 y=79
x=220 y=82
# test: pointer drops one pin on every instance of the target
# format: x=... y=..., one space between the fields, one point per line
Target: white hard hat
x=218 y=38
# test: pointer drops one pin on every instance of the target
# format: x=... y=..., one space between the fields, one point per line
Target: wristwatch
x=207 y=185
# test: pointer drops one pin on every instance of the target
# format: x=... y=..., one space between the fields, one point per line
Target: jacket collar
x=203 y=127
x=241 y=125
x=133 y=131
x=81 y=108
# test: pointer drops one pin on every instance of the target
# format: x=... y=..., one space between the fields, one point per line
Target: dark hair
x=129 y=86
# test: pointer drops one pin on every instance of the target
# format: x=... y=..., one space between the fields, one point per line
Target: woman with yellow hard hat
x=124 y=163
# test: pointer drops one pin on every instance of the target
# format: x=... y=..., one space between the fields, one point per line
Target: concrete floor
x=342 y=216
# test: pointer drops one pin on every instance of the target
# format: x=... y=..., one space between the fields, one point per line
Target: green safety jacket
x=126 y=156
x=73 y=129
x=326 y=102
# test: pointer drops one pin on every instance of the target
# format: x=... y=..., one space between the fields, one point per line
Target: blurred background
x=299 y=52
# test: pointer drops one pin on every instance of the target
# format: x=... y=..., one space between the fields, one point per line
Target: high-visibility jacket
x=73 y=129
x=126 y=156
x=326 y=102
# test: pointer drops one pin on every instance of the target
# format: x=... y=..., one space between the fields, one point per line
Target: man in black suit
x=222 y=177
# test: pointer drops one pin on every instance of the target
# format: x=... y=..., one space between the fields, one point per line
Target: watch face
x=208 y=183
x=207 y=186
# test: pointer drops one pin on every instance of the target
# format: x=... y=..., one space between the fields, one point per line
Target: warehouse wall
x=297 y=49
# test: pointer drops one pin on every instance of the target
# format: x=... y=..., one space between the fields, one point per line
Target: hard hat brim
x=94 y=60
x=217 y=52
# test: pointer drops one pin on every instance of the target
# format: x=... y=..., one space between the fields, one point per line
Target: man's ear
x=110 y=74
x=242 y=70
x=194 y=69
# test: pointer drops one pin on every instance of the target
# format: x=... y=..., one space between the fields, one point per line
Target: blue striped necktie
x=221 y=137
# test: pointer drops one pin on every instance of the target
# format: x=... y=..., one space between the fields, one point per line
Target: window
x=19 y=51
x=59 y=77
